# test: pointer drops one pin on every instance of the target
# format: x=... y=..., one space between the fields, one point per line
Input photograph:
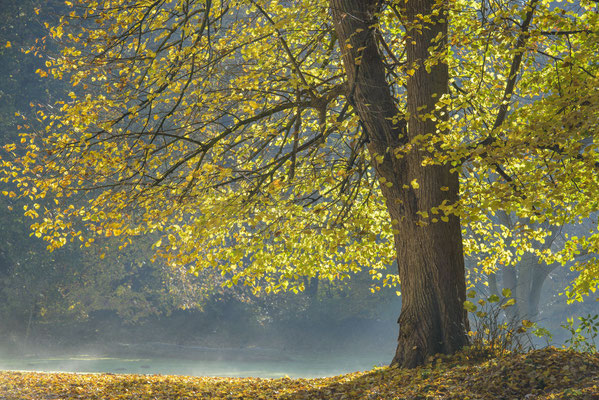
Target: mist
x=224 y=339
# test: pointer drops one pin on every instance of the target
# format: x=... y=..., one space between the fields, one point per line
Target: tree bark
x=429 y=254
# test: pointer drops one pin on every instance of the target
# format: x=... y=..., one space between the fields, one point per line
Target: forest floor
x=547 y=373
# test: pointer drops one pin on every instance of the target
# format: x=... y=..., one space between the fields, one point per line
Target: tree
x=430 y=257
x=525 y=278
x=278 y=149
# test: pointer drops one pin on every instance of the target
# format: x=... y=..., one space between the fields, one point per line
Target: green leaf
x=509 y=303
x=470 y=306
x=493 y=298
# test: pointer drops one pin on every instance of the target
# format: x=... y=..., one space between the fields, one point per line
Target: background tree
x=235 y=132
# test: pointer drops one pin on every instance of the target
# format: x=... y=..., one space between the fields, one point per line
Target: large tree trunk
x=429 y=254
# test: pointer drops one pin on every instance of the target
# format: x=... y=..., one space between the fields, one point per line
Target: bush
x=583 y=334
x=493 y=333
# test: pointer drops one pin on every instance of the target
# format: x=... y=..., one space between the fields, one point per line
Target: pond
x=262 y=363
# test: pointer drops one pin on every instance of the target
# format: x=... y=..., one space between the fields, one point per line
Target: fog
x=296 y=366
x=176 y=344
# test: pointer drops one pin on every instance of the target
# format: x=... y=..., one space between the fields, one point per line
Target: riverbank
x=540 y=374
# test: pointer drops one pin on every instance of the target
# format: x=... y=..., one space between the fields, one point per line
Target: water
x=294 y=366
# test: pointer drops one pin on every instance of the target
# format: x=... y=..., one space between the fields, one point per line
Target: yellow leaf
x=8 y=45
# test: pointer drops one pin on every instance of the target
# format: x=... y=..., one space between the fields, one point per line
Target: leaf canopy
x=227 y=128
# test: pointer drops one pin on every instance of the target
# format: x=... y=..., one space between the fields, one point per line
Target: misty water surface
x=263 y=363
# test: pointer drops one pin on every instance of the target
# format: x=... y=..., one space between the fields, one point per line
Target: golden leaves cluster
x=215 y=124
x=222 y=126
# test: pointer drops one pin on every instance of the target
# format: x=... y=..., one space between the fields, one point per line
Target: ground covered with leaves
x=540 y=374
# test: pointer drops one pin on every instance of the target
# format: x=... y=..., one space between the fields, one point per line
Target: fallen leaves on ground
x=539 y=374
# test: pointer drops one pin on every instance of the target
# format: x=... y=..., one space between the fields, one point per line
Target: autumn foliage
x=275 y=149
x=246 y=137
